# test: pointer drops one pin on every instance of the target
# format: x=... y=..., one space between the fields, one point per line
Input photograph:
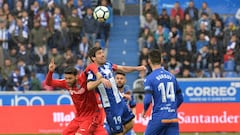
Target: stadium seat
x=40 y=76
x=230 y=74
x=229 y=65
x=138 y=86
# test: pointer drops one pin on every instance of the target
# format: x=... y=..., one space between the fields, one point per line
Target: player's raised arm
x=127 y=69
x=49 y=79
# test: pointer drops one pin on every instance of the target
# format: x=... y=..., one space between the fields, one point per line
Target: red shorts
x=87 y=126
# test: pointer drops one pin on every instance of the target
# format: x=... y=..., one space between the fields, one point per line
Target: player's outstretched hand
x=141 y=68
x=93 y=67
x=52 y=65
x=106 y=83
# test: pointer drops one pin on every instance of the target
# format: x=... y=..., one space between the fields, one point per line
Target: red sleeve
x=54 y=83
x=114 y=67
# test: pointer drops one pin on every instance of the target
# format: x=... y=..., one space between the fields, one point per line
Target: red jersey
x=84 y=100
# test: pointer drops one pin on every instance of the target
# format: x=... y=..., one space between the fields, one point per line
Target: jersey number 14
x=167 y=92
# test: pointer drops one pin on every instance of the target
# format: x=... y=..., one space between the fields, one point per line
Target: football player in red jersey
x=88 y=120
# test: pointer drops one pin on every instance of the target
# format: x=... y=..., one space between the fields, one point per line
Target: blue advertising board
x=34 y=98
x=194 y=91
x=218 y=6
x=210 y=90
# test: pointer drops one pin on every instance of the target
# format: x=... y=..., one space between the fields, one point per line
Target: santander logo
x=63 y=119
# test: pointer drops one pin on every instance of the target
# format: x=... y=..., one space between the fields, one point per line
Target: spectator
x=25 y=84
x=149 y=8
x=14 y=81
x=143 y=55
x=192 y=11
x=178 y=23
x=11 y=23
x=150 y=43
x=142 y=38
x=80 y=66
x=81 y=9
x=201 y=42
x=41 y=61
x=177 y=10
x=202 y=59
x=189 y=44
x=204 y=9
x=164 y=19
x=39 y=37
x=55 y=20
x=69 y=59
x=61 y=39
x=90 y=26
x=20 y=34
x=17 y=11
x=189 y=30
x=25 y=55
x=84 y=46
x=228 y=32
x=75 y=25
x=67 y=8
x=218 y=30
x=35 y=83
x=149 y=22
x=4 y=37
x=173 y=44
x=186 y=73
x=43 y=17
x=204 y=20
x=215 y=59
x=58 y=60
x=188 y=21
x=23 y=69
x=6 y=71
x=6 y=9
x=237 y=60
x=174 y=66
x=204 y=31
x=217 y=73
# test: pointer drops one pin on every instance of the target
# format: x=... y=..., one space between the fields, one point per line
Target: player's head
x=70 y=75
x=154 y=57
x=120 y=79
x=96 y=54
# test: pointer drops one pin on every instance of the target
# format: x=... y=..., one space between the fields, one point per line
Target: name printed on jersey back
x=164 y=76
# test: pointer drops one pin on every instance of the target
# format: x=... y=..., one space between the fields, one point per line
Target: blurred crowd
x=32 y=32
x=195 y=42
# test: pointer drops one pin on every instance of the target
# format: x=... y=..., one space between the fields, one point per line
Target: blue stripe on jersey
x=163 y=86
x=108 y=96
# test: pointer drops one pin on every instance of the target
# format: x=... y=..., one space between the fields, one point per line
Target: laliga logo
x=62 y=118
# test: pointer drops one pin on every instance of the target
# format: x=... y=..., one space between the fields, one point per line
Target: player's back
x=164 y=87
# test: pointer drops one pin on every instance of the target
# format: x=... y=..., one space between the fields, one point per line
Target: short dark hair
x=71 y=70
x=120 y=73
x=92 y=52
x=155 y=56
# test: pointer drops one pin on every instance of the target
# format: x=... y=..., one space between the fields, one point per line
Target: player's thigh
x=100 y=130
x=154 y=127
x=127 y=115
x=72 y=128
x=172 y=129
x=87 y=126
x=114 y=120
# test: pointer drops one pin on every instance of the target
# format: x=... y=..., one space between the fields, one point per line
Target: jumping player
x=118 y=114
x=162 y=87
x=88 y=120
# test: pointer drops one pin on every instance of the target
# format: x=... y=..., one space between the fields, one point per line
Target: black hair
x=71 y=70
x=120 y=73
x=92 y=52
x=155 y=56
